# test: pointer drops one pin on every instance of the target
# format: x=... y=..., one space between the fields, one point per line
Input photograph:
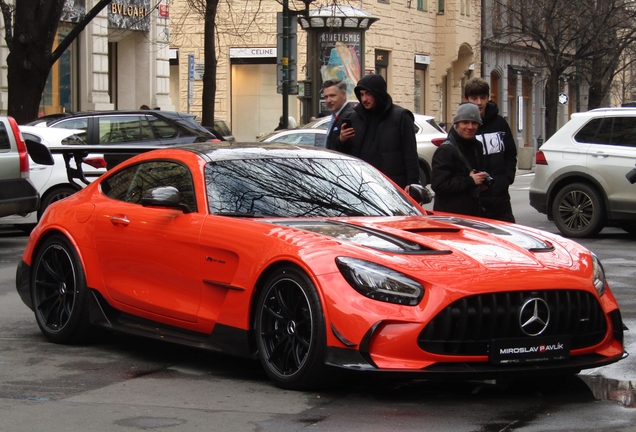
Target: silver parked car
x=51 y=181
x=580 y=173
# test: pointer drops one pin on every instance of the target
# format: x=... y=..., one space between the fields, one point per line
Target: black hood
x=491 y=112
x=376 y=85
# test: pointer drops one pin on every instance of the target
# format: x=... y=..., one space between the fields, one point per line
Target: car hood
x=468 y=243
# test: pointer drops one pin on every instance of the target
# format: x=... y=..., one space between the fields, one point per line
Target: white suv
x=580 y=173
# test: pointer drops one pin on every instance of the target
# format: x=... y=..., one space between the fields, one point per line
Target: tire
x=290 y=331
x=59 y=293
x=423 y=178
x=53 y=195
x=578 y=211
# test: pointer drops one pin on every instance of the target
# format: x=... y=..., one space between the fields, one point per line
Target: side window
x=130 y=184
x=587 y=134
x=79 y=123
x=624 y=132
x=162 y=128
x=5 y=144
x=119 y=129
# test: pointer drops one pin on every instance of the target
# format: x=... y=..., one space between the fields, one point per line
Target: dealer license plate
x=529 y=350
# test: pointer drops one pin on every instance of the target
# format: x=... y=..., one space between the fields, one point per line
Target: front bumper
x=539 y=201
x=356 y=361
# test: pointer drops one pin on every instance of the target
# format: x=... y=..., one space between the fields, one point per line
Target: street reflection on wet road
x=623 y=392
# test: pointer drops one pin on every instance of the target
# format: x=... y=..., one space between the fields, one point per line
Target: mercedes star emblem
x=534 y=316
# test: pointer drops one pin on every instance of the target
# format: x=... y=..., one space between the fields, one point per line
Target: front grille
x=467 y=326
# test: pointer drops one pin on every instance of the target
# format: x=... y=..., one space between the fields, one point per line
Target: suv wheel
x=578 y=211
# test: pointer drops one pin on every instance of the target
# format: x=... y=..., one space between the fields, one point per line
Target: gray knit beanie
x=467 y=112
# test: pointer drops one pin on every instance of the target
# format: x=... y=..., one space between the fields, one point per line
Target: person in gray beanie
x=458 y=176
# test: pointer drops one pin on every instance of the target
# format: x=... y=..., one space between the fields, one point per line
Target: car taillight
x=22 y=149
x=95 y=162
x=540 y=158
x=438 y=141
x=214 y=140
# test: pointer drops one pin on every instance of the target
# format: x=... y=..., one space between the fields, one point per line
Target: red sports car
x=312 y=261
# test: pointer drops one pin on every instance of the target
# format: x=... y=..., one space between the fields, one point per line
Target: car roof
x=607 y=110
x=227 y=150
x=283 y=132
x=59 y=116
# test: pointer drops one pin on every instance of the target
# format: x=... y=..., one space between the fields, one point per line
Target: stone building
x=119 y=61
x=426 y=49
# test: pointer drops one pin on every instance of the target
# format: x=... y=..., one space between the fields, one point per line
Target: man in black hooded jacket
x=382 y=133
x=500 y=152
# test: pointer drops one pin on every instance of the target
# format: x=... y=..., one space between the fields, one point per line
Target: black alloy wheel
x=578 y=211
x=59 y=293
x=290 y=330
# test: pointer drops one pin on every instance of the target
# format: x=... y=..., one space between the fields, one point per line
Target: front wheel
x=578 y=211
x=59 y=293
x=290 y=330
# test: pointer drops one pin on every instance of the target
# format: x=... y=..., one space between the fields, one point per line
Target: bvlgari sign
x=129 y=14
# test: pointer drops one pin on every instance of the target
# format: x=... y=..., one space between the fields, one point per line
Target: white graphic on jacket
x=494 y=142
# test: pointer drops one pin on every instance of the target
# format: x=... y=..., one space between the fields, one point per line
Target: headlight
x=379 y=282
x=598 y=275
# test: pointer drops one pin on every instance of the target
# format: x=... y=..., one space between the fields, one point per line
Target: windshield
x=302 y=187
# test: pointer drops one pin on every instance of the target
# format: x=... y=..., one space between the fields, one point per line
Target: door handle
x=601 y=155
x=119 y=220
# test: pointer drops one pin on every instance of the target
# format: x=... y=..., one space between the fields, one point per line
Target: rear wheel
x=578 y=210
x=290 y=330
x=59 y=293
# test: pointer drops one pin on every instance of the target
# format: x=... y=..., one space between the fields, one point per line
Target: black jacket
x=455 y=190
x=333 y=137
x=500 y=161
x=384 y=136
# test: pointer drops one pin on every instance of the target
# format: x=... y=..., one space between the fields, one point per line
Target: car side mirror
x=163 y=196
x=39 y=153
x=420 y=194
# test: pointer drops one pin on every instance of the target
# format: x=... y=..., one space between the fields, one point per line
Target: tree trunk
x=26 y=81
x=595 y=96
x=209 y=74
x=552 y=102
x=29 y=59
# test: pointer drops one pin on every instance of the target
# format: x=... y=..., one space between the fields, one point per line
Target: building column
x=159 y=62
x=94 y=67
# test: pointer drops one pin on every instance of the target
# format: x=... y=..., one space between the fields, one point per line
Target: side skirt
x=223 y=339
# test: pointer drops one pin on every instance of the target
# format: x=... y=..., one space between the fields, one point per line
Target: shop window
x=58 y=91
x=382 y=64
x=419 y=91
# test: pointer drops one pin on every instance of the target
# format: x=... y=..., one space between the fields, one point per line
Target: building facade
x=120 y=60
x=426 y=50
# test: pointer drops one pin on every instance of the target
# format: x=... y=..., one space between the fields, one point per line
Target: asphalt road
x=124 y=383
